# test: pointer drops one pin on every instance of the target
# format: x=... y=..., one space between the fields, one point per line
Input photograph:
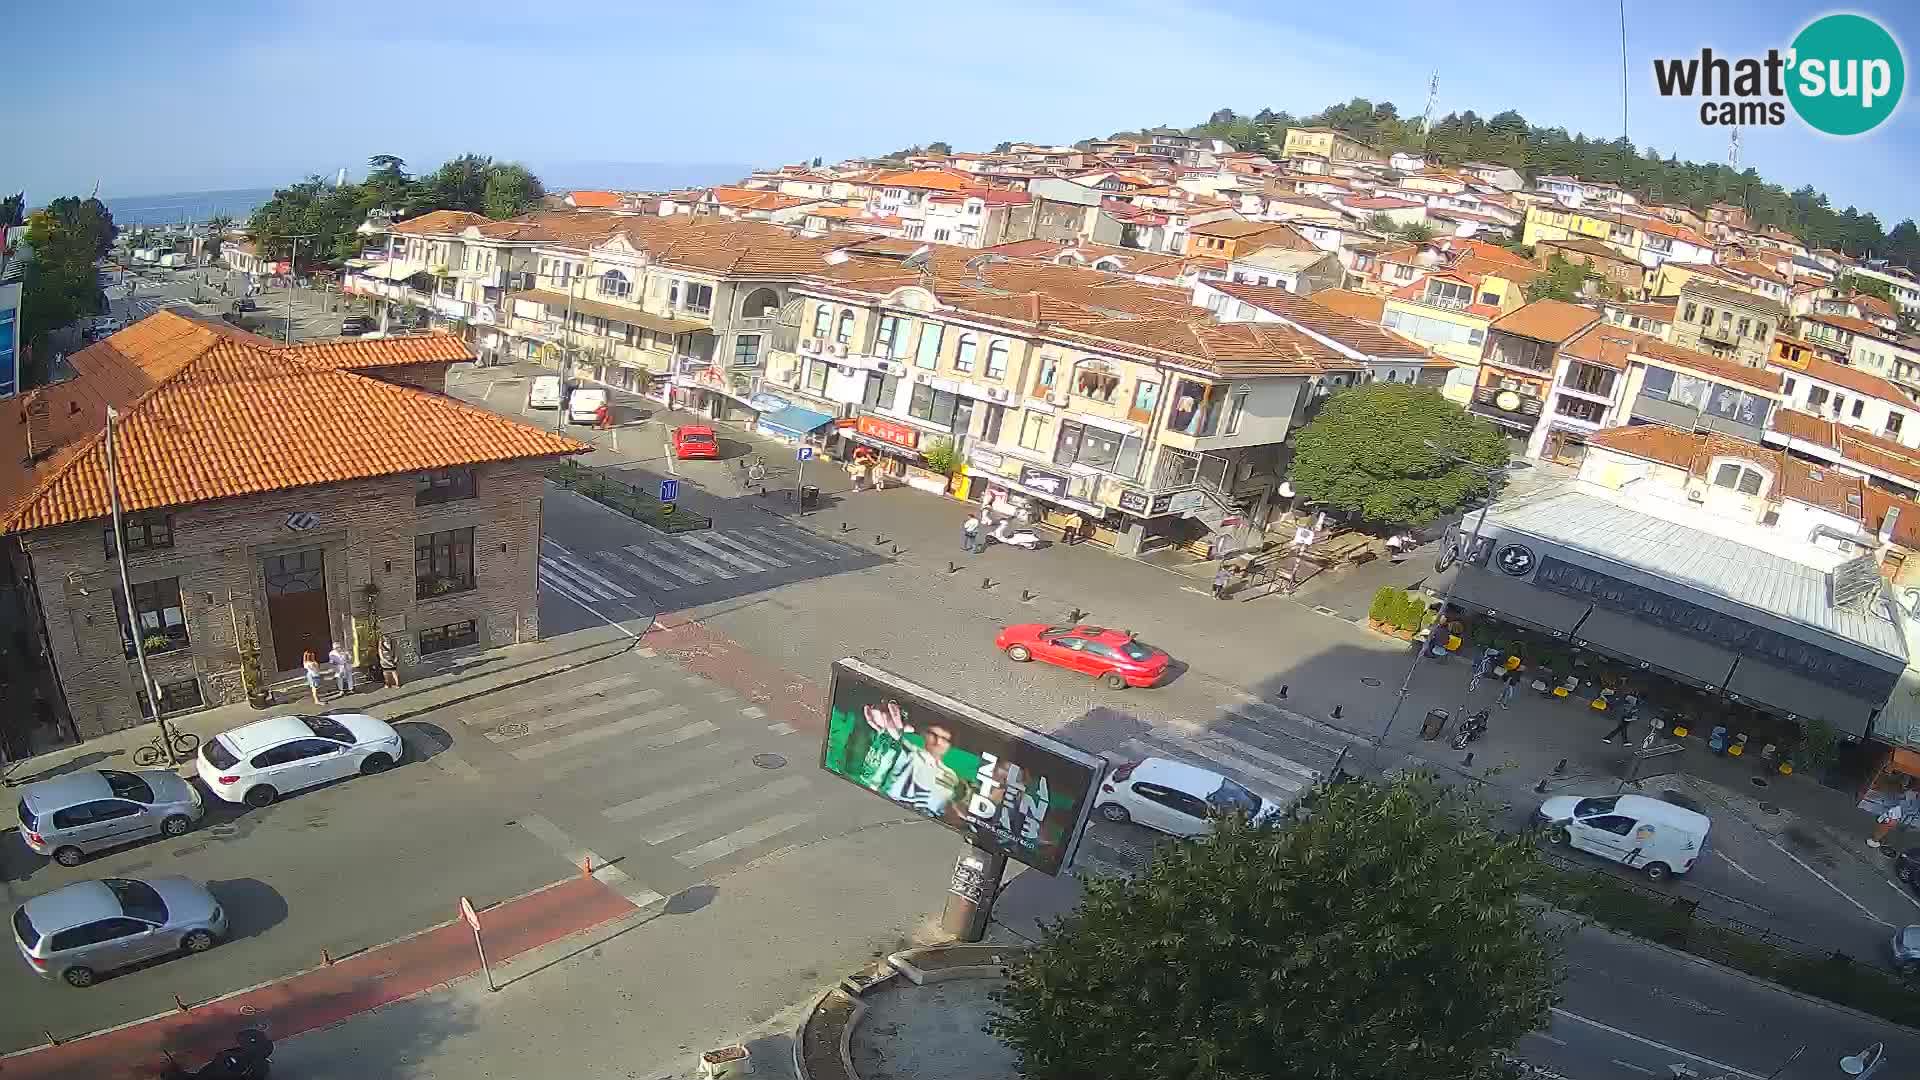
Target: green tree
x=60 y=285
x=13 y=209
x=1367 y=453
x=1381 y=937
x=944 y=149
x=511 y=189
x=1860 y=283
x=1562 y=281
x=1378 y=222
x=1418 y=232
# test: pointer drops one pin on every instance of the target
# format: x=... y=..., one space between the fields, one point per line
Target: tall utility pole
x=134 y=629
x=1623 y=69
x=1733 y=148
x=1433 y=95
x=293 y=275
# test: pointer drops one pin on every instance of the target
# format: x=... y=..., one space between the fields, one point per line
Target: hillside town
x=1672 y=495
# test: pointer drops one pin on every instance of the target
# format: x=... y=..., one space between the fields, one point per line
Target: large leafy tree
x=1368 y=453
x=1380 y=937
x=61 y=285
x=1562 y=281
x=329 y=214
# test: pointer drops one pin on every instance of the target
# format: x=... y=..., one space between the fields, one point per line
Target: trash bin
x=809 y=497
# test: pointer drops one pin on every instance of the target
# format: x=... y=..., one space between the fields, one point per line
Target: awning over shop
x=396 y=271
x=611 y=312
x=1516 y=601
x=795 y=421
x=1767 y=686
x=1663 y=650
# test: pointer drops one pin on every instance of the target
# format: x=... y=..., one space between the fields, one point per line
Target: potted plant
x=1385 y=612
x=250 y=678
x=154 y=643
x=941 y=456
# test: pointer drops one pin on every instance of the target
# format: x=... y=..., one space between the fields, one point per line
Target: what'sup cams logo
x=1843 y=75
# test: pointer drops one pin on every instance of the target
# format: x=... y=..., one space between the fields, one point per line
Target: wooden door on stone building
x=297 y=606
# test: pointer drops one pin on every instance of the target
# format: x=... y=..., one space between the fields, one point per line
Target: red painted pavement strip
x=700 y=649
x=327 y=995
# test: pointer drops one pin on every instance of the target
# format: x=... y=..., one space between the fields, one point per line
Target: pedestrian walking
x=342 y=668
x=310 y=660
x=1628 y=714
x=969 y=530
x=1222 y=580
x=1397 y=546
x=1886 y=823
x=1509 y=684
x=389 y=662
x=1071 y=534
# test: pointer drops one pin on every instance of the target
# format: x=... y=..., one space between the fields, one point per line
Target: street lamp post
x=293 y=275
x=1446 y=601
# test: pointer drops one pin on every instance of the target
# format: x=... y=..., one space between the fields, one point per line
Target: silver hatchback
x=71 y=816
x=91 y=927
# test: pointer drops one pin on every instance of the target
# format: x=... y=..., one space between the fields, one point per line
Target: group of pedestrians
x=340 y=662
x=976 y=531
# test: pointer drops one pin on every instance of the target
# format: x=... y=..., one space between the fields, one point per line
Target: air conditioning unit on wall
x=808 y=345
x=998 y=393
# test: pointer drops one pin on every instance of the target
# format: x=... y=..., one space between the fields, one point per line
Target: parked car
x=1174 y=797
x=88 y=928
x=583 y=405
x=1115 y=657
x=245 y=303
x=1906 y=948
x=70 y=817
x=694 y=441
x=266 y=759
x=1646 y=834
x=545 y=392
x=355 y=325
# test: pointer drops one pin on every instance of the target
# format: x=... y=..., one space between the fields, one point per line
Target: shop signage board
x=1161 y=503
x=1047 y=483
x=1134 y=502
x=1185 y=502
x=987 y=459
x=889 y=432
x=1005 y=787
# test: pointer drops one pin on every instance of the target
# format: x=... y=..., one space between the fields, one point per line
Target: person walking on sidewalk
x=310 y=661
x=342 y=668
x=1509 y=684
x=1629 y=712
x=1071 y=534
x=389 y=663
x=1222 y=580
x=969 y=529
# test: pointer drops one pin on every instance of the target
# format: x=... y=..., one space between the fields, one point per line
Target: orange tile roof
x=1367 y=307
x=1852 y=378
x=1805 y=427
x=1876 y=454
x=1234 y=228
x=595 y=200
x=1849 y=324
x=1666 y=355
x=440 y=221
x=1546 y=320
x=208 y=414
x=928 y=179
x=1607 y=346
x=1345 y=329
x=1906 y=527
x=359 y=354
x=1653 y=442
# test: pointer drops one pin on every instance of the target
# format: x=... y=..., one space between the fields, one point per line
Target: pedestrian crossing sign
x=669 y=490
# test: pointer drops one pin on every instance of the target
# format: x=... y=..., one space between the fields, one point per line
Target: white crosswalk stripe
x=720 y=811
x=756 y=554
x=744 y=565
x=1225 y=753
x=552 y=579
x=632 y=566
x=812 y=545
x=690 y=559
x=591 y=578
x=679 y=549
x=720 y=848
x=570 y=717
x=619 y=727
x=645 y=553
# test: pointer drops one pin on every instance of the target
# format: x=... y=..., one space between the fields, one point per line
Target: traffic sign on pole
x=669 y=490
x=472 y=918
x=804 y=453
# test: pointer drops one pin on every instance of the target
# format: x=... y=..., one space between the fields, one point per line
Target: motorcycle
x=249 y=1059
x=1020 y=538
x=1471 y=728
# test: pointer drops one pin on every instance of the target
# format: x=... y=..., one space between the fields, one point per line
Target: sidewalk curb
x=217 y=998
x=631 y=645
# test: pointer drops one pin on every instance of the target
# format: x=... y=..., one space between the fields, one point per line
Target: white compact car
x=1174 y=797
x=583 y=405
x=545 y=392
x=266 y=759
x=1649 y=835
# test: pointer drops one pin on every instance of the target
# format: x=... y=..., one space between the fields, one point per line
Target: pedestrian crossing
x=684 y=561
x=1265 y=773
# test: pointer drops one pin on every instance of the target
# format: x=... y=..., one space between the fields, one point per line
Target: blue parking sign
x=669 y=490
x=804 y=453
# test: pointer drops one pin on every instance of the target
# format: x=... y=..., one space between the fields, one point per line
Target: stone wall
x=366 y=531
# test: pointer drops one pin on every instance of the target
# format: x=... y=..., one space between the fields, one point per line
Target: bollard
x=952 y=567
x=878 y=539
x=181 y=1005
x=986 y=583
x=1028 y=596
x=896 y=548
x=1468 y=763
x=1336 y=712
x=1283 y=691
x=326 y=960
x=1076 y=616
x=586 y=866
x=1541 y=787
x=1560 y=769
x=51 y=1041
x=845 y=528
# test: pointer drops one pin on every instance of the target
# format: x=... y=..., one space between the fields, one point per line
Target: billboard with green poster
x=1005 y=787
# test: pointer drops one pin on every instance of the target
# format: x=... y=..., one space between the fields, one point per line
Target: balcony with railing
x=1523 y=353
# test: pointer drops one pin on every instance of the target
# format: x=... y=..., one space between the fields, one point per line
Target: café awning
x=1517 y=602
x=581 y=305
x=1766 y=685
x=1685 y=658
x=795 y=421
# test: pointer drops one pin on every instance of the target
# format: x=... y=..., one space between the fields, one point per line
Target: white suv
x=266 y=759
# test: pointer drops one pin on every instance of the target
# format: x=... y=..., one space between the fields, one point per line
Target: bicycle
x=153 y=753
x=756 y=468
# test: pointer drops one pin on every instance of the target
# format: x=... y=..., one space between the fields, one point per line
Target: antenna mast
x=1433 y=94
x=1733 y=149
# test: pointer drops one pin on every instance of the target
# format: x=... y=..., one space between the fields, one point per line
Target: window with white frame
x=997 y=360
x=615 y=283
x=822 y=320
x=844 y=334
x=927 y=356
x=1743 y=477
x=886 y=339
x=963 y=355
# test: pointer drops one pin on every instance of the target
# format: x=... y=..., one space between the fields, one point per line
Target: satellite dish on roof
x=919 y=258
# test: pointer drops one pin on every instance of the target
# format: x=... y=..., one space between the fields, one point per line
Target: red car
x=693 y=442
x=1116 y=657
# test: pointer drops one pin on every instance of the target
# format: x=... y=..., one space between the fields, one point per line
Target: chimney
x=38 y=416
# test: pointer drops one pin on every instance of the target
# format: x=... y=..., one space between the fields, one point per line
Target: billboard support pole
x=976 y=881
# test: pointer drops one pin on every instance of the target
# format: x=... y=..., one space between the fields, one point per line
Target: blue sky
x=148 y=98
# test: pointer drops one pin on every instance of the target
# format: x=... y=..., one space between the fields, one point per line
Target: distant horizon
x=596 y=177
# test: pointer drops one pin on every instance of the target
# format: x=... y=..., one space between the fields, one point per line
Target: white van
x=1646 y=834
x=545 y=392
x=583 y=405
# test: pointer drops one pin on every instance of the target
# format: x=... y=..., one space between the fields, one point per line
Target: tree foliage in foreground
x=1562 y=281
x=1366 y=454
x=1382 y=938
x=61 y=285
